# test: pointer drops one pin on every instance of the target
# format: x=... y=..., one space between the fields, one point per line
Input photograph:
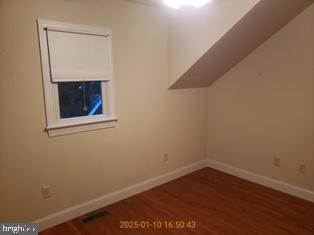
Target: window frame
x=56 y=126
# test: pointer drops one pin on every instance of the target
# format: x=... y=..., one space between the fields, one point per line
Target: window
x=77 y=76
x=78 y=99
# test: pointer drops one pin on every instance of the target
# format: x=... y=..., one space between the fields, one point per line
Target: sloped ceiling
x=260 y=23
x=193 y=31
x=207 y=42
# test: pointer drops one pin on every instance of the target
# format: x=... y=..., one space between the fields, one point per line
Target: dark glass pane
x=78 y=99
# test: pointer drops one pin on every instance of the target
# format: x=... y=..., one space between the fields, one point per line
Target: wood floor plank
x=219 y=203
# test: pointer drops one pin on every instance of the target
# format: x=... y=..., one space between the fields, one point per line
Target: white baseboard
x=97 y=203
x=86 y=207
x=263 y=180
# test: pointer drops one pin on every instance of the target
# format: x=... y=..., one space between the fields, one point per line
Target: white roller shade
x=76 y=56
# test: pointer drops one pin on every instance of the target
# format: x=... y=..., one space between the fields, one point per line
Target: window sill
x=67 y=129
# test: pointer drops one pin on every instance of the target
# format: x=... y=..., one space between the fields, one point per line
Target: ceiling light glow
x=180 y=3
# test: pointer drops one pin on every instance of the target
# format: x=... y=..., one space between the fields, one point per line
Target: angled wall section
x=193 y=31
x=202 y=50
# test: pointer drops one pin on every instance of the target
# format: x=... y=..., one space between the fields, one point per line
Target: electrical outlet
x=166 y=158
x=276 y=161
x=302 y=168
x=45 y=192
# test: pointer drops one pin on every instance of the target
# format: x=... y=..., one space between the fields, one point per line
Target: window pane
x=78 y=99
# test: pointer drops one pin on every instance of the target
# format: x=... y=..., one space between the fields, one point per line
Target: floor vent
x=94 y=216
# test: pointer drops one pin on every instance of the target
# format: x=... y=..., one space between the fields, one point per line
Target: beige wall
x=260 y=109
x=264 y=107
x=193 y=31
x=80 y=167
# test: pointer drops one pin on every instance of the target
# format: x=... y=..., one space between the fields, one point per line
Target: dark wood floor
x=217 y=202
